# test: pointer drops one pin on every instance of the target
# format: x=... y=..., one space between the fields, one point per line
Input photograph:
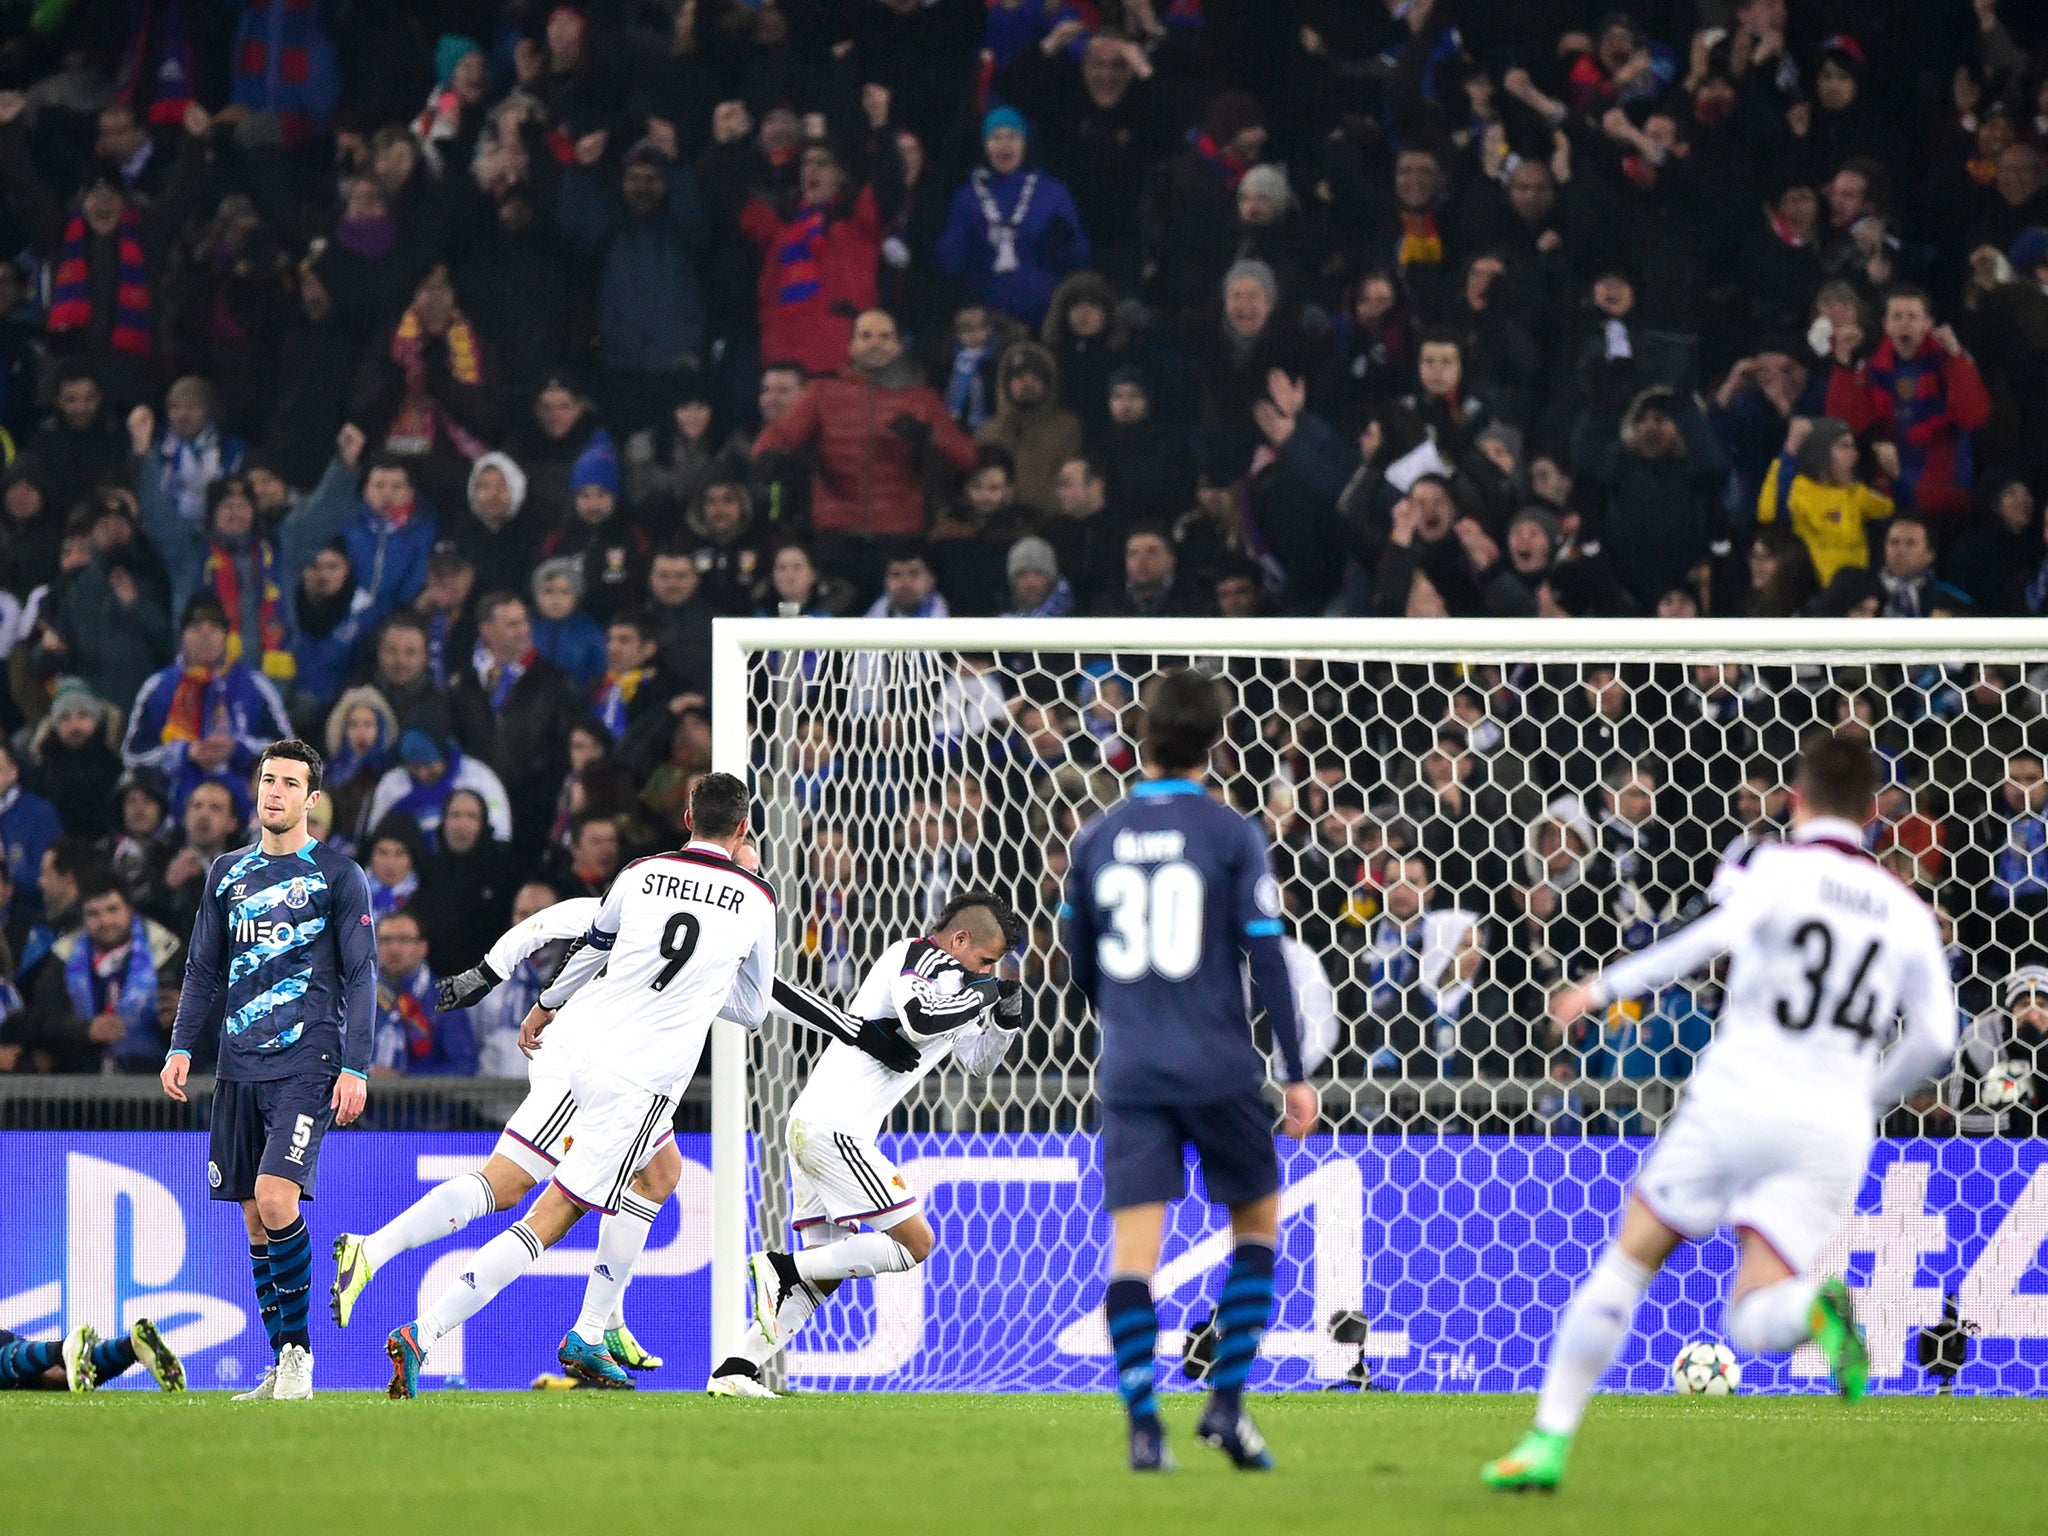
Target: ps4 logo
x=124 y=1249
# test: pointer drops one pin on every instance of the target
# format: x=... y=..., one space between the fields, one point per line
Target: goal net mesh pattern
x=1452 y=840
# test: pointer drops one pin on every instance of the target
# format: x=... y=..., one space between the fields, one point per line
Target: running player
x=1827 y=949
x=1165 y=892
x=528 y=1149
x=680 y=939
x=283 y=961
x=941 y=992
x=533 y=1141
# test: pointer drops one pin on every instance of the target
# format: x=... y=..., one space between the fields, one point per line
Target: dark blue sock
x=21 y=1361
x=266 y=1291
x=1241 y=1319
x=1133 y=1335
x=110 y=1357
x=291 y=1273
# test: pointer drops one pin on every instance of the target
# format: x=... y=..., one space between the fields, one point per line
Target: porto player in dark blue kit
x=1165 y=892
x=283 y=961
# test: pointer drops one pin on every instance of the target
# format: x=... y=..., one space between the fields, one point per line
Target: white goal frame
x=1784 y=641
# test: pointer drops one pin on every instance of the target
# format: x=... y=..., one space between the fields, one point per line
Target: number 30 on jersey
x=1152 y=920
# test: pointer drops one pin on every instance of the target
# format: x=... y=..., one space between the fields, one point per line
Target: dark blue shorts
x=271 y=1127
x=1143 y=1162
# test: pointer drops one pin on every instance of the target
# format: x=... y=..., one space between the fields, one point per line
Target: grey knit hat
x=1258 y=272
x=1033 y=554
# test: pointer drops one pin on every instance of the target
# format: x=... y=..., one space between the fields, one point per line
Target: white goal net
x=1462 y=815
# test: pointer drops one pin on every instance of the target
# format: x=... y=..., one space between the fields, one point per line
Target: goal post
x=1463 y=812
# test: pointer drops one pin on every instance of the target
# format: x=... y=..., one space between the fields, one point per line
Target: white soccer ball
x=2004 y=1085
x=1709 y=1370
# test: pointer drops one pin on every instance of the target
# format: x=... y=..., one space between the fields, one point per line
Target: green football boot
x=352 y=1272
x=1537 y=1461
x=157 y=1357
x=629 y=1351
x=1840 y=1336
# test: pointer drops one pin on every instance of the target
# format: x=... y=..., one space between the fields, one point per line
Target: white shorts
x=539 y=1132
x=618 y=1127
x=842 y=1179
x=1789 y=1178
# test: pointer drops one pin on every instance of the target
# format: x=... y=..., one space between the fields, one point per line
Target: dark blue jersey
x=283 y=960
x=1164 y=893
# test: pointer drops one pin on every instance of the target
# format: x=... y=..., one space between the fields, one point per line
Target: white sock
x=870 y=1253
x=441 y=1212
x=798 y=1306
x=498 y=1263
x=617 y=1319
x=619 y=1241
x=1591 y=1332
x=1773 y=1318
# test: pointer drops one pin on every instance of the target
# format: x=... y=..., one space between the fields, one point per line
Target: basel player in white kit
x=680 y=938
x=1828 y=952
x=942 y=994
x=528 y=1150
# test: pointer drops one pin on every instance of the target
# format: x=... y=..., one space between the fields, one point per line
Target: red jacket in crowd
x=869 y=480
x=817 y=274
x=1923 y=406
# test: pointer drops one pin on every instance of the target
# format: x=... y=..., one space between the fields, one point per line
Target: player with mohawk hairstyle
x=940 y=994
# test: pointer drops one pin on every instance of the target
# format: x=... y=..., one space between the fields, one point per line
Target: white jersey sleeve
x=1928 y=1026
x=564 y=920
x=1714 y=933
x=980 y=1048
x=747 y=1003
x=933 y=995
x=586 y=961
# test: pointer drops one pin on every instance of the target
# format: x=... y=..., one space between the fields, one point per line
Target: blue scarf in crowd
x=424 y=803
x=121 y=981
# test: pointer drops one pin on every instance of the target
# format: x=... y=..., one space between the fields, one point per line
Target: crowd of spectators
x=422 y=379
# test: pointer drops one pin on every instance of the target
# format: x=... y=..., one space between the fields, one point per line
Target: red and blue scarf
x=71 y=298
x=1225 y=164
x=222 y=576
x=159 y=65
x=1912 y=403
x=797 y=256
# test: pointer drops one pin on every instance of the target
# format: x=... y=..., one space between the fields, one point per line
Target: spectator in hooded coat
x=1030 y=424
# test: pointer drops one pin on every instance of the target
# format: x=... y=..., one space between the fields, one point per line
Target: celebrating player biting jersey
x=941 y=994
x=283 y=961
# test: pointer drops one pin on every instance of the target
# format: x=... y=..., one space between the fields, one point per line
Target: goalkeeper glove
x=881 y=1039
x=470 y=986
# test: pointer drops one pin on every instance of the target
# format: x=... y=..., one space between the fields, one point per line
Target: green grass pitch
x=1385 y=1464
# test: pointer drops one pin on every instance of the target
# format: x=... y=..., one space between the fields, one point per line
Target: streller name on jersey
x=726 y=898
x=1149 y=847
x=282 y=933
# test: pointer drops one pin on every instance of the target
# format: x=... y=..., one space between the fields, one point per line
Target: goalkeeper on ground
x=941 y=993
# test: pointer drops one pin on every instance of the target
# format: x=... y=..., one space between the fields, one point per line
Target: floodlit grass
x=1384 y=1464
